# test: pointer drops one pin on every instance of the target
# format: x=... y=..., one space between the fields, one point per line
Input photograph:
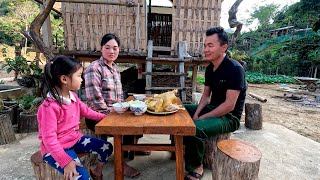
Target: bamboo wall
x=85 y=24
x=191 y=19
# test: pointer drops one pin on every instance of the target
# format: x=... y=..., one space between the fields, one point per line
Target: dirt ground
x=302 y=116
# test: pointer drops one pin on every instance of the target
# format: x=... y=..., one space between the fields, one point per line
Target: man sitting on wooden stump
x=221 y=104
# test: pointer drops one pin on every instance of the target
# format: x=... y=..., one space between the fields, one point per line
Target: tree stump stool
x=253 y=118
x=27 y=123
x=211 y=149
x=6 y=130
x=236 y=160
x=44 y=171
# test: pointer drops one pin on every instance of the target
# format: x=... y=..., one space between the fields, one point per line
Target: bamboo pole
x=260 y=98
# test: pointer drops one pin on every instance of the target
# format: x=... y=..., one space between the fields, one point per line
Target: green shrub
x=260 y=78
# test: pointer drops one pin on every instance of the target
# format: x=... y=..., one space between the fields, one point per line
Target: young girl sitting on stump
x=59 y=118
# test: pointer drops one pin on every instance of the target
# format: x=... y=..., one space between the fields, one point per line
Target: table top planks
x=179 y=123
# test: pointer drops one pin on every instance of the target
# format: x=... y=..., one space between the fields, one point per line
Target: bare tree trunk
x=34 y=32
x=232 y=20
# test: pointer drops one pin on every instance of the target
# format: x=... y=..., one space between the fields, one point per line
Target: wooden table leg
x=118 y=158
x=179 y=157
x=173 y=154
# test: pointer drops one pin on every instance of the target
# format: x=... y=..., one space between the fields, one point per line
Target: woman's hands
x=70 y=170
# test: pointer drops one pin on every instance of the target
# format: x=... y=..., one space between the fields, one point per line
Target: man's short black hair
x=222 y=35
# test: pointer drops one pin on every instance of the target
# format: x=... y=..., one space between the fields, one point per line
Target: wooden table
x=178 y=124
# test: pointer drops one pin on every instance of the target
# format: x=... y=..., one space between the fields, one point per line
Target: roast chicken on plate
x=165 y=102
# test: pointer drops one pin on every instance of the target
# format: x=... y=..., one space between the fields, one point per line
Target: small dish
x=120 y=107
x=138 y=109
x=140 y=97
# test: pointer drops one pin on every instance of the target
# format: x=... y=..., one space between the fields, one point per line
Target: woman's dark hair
x=222 y=35
x=108 y=37
x=53 y=70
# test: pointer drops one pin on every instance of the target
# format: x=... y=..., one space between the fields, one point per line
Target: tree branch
x=232 y=20
x=34 y=32
x=55 y=10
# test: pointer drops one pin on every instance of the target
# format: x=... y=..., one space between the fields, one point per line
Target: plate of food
x=163 y=104
x=162 y=113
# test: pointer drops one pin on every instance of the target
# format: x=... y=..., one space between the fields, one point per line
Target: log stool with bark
x=44 y=171
x=236 y=159
x=253 y=117
x=211 y=149
x=6 y=130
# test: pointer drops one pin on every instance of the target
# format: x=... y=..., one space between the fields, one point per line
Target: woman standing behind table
x=103 y=85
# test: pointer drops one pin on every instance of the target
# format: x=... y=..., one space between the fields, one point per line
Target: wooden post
x=139 y=71
x=149 y=67
x=211 y=149
x=253 y=118
x=181 y=55
x=236 y=159
x=194 y=78
x=46 y=29
x=138 y=35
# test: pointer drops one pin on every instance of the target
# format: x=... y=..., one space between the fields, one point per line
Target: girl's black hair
x=108 y=37
x=53 y=70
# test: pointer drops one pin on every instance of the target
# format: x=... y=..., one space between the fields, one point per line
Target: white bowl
x=138 y=109
x=120 y=108
x=140 y=97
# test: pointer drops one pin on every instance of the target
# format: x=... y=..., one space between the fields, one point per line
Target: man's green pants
x=195 y=145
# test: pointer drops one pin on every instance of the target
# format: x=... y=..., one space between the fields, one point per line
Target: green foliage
x=25 y=102
x=16 y=17
x=238 y=55
x=251 y=40
x=259 y=78
x=301 y=14
x=264 y=15
x=4 y=4
x=17 y=64
x=29 y=103
x=57 y=31
x=200 y=79
x=254 y=77
x=293 y=55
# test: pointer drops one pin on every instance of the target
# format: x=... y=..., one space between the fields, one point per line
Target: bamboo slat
x=96 y=28
x=91 y=32
x=191 y=18
x=103 y=19
x=125 y=34
x=143 y=26
x=137 y=28
x=85 y=24
x=188 y=38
